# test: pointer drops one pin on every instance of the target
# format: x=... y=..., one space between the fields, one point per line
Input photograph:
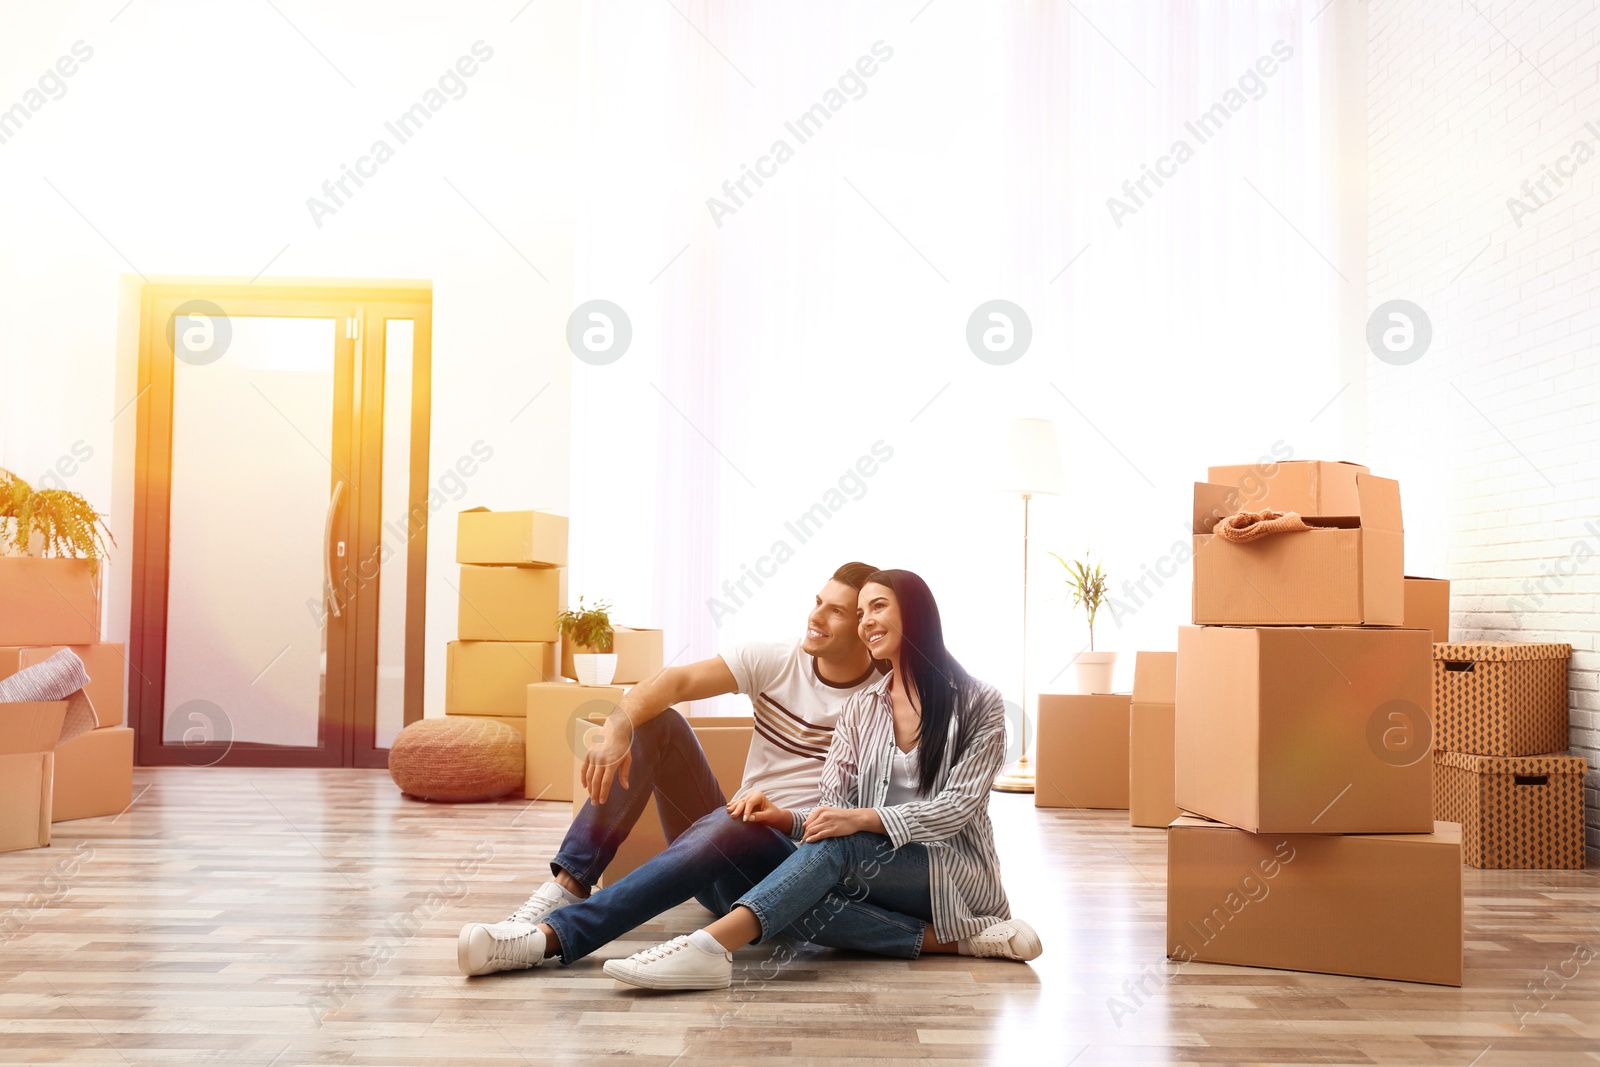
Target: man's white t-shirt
x=795 y=713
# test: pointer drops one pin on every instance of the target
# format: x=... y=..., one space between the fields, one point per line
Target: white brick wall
x=1493 y=431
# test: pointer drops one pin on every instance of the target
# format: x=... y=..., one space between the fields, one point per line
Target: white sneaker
x=545 y=899
x=674 y=965
x=1012 y=939
x=484 y=948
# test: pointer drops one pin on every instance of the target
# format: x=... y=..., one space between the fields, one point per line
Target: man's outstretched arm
x=612 y=758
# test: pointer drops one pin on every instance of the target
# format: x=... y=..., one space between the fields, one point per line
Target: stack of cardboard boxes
x=46 y=605
x=1499 y=765
x=1302 y=728
x=504 y=663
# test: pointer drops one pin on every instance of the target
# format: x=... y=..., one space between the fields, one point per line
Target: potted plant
x=51 y=544
x=1089 y=591
x=589 y=631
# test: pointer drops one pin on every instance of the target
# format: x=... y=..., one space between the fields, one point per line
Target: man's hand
x=608 y=761
x=755 y=807
x=833 y=822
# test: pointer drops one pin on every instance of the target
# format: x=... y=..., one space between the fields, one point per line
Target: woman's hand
x=835 y=822
x=755 y=807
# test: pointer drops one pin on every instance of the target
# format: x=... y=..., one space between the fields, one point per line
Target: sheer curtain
x=800 y=345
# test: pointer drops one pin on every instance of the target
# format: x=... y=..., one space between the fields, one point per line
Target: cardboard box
x=29 y=732
x=725 y=739
x=1428 y=606
x=509 y=603
x=639 y=654
x=94 y=774
x=1150 y=740
x=1306 y=486
x=51 y=601
x=1081 y=752
x=1301 y=730
x=1523 y=812
x=105 y=663
x=1500 y=698
x=1345 y=571
x=492 y=677
x=511 y=538
x=557 y=720
x=1369 y=905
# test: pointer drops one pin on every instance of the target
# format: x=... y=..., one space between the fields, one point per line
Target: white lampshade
x=1031 y=461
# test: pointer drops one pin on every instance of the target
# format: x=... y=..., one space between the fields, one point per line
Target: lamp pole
x=1019 y=777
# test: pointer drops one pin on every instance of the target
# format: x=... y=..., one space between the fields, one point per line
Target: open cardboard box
x=1346 y=571
x=511 y=538
x=1306 y=486
x=29 y=732
x=105 y=663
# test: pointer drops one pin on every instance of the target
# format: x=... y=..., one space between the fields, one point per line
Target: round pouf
x=457 y=758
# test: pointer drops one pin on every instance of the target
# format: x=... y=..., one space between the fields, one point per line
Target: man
x=648 y=749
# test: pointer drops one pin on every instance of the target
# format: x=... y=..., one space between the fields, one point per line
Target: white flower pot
x=595 y=668
x=1095 y=670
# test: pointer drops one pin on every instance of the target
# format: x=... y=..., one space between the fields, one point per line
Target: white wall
x=1492 y=431
x=188 y=144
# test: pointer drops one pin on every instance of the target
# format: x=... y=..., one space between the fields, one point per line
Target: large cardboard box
x=51 y=601
x=1305 y=730
x=1369 y=905
x=509 y=603
x=1081 y=751
x=1306 y=486
x=492 y=677
x=1501 y=698
x=639 y=654
x=725 y=739
x=1428 y=606
x=511 y=538
x=94 y=774
x=29 y=732
x=1345 y=571
x=1522 y=812
x=1150 y=740
x=558 y=717
x=105 y=664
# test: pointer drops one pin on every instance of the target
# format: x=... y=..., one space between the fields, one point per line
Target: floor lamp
x=1032 y=467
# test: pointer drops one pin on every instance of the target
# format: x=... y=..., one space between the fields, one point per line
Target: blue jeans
x=826 y=891
x=710 y=856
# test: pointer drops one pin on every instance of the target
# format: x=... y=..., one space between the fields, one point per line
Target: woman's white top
x=902 y=777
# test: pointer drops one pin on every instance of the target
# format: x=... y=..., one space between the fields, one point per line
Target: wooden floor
x=274 y=917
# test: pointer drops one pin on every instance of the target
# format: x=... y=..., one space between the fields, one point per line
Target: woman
x=904 y=820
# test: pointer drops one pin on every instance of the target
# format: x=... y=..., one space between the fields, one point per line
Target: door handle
x=327 y=549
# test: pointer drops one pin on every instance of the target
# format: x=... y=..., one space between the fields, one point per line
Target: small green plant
x=64 y=521
x=1088 y=588
x=588 y=627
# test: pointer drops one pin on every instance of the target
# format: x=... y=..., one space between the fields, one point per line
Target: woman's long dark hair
x=939 y=686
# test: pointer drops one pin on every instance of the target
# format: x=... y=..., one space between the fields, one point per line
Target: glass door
x=277 y=618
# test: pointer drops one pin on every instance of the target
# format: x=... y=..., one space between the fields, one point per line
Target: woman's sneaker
x=1012 y=939
x=484 y=948
x=678 y=964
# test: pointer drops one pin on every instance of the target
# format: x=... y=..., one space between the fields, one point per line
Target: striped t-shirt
x=795 y=713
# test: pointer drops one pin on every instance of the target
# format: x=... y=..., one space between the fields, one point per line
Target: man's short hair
x=854 y=575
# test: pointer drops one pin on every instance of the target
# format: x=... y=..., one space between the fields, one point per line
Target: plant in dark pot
x=588 y=631
x=1089 y=588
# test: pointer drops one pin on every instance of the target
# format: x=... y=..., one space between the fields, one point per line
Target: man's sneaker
x=545 y=899
x=1012 y=940
x=674 y=965
x=484 y=948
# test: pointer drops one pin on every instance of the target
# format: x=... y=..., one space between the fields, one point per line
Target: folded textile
x=1248 y=526
x=61 y=677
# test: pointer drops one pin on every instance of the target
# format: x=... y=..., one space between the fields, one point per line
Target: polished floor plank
x=283 y=917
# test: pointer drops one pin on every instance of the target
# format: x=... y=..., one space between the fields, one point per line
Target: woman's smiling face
x=879 y=620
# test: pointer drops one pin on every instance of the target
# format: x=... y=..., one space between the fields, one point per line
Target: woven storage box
x=1514 y=811
x=1500 y=698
